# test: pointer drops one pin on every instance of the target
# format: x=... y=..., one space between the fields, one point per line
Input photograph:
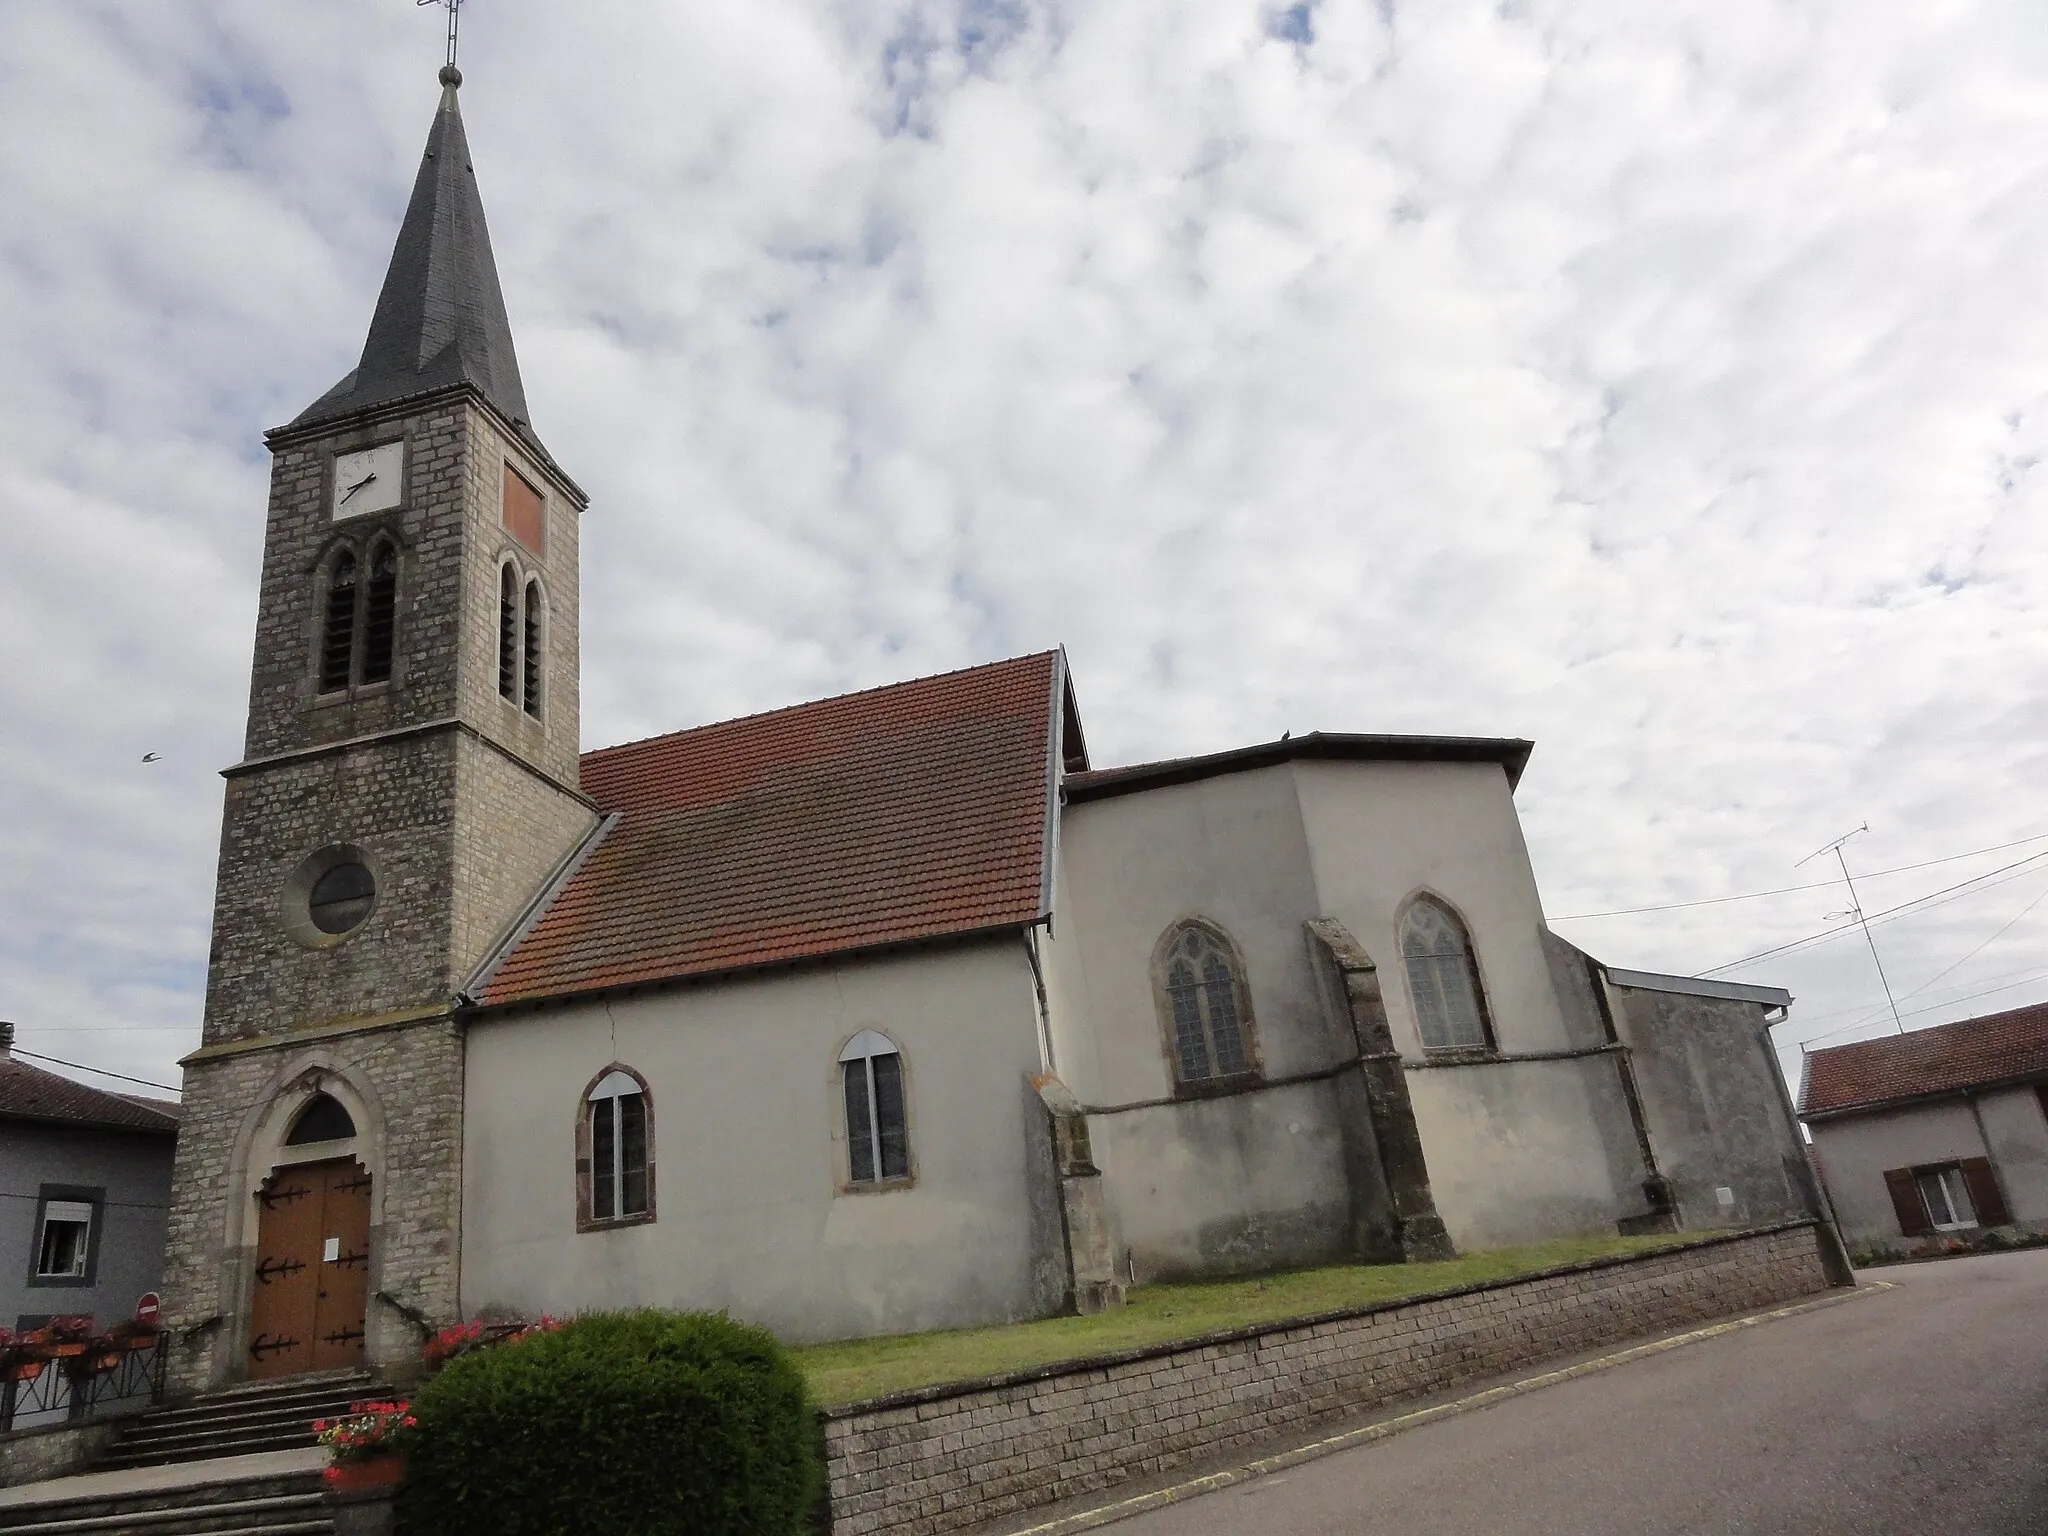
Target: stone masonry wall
x=949 y=1458
x=414 y=1074
x=394 y=800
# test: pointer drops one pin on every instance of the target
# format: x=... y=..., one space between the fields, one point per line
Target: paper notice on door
x=332 y=1251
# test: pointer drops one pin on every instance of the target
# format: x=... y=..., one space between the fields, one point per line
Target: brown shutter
x=1906 y=1201
x=1990 y=1205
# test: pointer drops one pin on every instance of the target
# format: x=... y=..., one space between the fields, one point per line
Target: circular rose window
x=342 y=898
x=329 y=896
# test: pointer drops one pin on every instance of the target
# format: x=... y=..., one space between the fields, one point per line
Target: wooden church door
x=312 y=1287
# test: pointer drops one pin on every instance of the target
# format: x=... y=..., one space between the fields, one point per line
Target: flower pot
x=385 y=1470
x=23 y=1370
x=65 y=1351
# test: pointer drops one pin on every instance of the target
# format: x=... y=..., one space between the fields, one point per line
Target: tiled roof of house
x=2000 y=1047
x=906 y=813
x=30 y=1093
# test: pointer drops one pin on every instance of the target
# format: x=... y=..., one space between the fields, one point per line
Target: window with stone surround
x=877 y=1124
x=1443 y=978
x=615 y=1151
x=1204 y=1005
x=358 y=615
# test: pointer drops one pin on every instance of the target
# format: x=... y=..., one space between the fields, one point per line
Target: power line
x=59 y=1061
x=1856 y=909
x=1889 y=914
x=1863 y=1013
x=1786 y=890
x=1914 y=1013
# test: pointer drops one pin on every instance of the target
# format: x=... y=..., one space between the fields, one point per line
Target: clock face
x=368 y=480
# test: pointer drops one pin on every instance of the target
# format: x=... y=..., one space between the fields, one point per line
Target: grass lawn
x=1158 y=1314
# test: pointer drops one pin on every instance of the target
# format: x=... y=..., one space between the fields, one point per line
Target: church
x=880 y=1013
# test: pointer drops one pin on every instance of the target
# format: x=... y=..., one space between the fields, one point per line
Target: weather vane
x=454 y=10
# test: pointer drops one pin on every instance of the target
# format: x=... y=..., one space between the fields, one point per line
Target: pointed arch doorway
x=311 y=1288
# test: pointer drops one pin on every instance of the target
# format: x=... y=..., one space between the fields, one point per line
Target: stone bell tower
x=407 y=793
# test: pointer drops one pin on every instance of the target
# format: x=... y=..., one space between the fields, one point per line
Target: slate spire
x=440 y=320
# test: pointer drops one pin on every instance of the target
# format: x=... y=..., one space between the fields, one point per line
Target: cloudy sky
x=1665 y=383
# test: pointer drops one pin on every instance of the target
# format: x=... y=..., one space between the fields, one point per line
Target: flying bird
x=152 y=757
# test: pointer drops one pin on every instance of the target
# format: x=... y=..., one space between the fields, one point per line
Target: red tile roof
x=2000 y=1047
x=30 y=1093
x=905 y=813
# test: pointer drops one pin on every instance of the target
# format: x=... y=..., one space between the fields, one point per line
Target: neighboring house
x=1942 y=1130
x=879 y=1013
x=87 y=1182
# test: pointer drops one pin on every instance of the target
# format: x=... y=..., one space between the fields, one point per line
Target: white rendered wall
x=2018 y=1128
x=1855 y=1152
x=1513 y=1149
x=750 y=1157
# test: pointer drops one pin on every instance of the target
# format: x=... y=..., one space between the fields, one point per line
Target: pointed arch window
x=1205 y=1004
x=615 y=1151
x=324 y=1118
x=508 y=632
x=530 y=669
x=380 y=612
x=1443 y=978
x=338 y=624
x=877 y=1128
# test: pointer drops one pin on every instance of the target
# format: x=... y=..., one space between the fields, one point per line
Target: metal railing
x=70 y=1388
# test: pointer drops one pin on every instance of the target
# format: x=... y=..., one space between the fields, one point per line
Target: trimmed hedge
x=617 y=1424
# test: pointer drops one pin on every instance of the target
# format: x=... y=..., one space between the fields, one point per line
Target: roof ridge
x=830 y=698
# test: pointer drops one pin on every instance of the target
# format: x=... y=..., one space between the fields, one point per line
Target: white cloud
x=1660 y=383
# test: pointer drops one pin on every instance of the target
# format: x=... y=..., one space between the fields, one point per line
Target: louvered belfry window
x=877 y=1129
x=1205 y=998
x=338 y=624
x=380 y=612
x=1443 y=978
x=530 y=678
x=508 y=632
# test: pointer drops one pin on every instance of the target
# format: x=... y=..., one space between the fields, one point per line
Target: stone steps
x=237 y=1422
x=287 y=1505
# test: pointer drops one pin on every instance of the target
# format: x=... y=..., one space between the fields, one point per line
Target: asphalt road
x=1920 y=1410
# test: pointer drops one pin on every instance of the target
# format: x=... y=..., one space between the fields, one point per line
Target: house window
x=877 y=1132
x=1443 y=978
x=616 y=1151
x=1946 y=1199
x=1205 y=1003
x=66 y=1236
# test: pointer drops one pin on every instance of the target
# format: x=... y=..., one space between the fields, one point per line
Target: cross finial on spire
x=450 y=75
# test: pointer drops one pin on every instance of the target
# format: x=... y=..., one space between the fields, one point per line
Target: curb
x=1159 y=1498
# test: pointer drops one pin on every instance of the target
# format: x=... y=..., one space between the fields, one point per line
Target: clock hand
x=358 y=486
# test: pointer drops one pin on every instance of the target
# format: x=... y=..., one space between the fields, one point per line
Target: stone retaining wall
x=946 y=1458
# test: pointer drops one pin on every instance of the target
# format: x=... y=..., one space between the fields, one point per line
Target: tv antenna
x=454 y=10
x=1855 y=910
